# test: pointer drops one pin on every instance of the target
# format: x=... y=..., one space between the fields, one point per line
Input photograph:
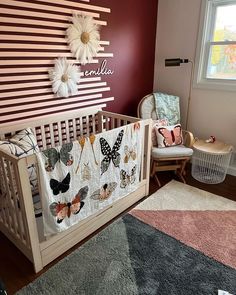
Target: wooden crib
x=17 y=217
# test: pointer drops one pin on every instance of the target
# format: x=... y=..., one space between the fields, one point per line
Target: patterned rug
x=199 y=219
x=180 y=240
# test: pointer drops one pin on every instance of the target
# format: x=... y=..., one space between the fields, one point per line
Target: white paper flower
x=64 y=77
x=83 y=38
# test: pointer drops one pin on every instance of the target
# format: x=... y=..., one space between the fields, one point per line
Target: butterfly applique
x=110 y=154
x=171 y=137
x=126 y=179
x=104 y=192
x=86 y=172
x=61 y=210
x=53 y=156
x=58 y=186
x=129 y=154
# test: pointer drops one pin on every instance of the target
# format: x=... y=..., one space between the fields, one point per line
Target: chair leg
x=157 y=180
x=153 y=168
x=182 y=172
x=180 y=176
x=153 y=172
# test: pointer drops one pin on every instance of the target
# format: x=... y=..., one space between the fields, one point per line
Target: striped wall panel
x=32 y=35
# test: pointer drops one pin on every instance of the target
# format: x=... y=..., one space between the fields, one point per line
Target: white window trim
x=202 y=50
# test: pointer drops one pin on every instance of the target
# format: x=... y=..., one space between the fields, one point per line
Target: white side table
x=210 y=161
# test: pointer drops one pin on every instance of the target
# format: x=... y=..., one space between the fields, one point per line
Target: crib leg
x=38 y=265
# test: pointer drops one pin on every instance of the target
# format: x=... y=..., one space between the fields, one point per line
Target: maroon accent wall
x=131 y=31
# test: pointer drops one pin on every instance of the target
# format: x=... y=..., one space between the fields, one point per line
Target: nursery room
x=117 y=147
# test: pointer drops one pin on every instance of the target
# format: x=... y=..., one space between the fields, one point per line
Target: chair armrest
x=188 y=138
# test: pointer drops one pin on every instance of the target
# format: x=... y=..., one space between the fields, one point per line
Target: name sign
x=102 y=70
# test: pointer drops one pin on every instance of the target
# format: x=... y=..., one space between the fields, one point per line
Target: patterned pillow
x=169 y=135
x=21 y=145
x=156 y=124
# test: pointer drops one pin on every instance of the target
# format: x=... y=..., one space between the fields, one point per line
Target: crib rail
x=61 y=132
x=109 y=120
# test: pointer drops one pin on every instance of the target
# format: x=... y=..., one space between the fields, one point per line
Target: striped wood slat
x=32 y=35
x=49 y=90
x=55 y=109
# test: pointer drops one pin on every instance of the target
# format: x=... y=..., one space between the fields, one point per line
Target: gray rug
x=131 y=257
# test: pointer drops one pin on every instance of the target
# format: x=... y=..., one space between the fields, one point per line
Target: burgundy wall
x=131 y=31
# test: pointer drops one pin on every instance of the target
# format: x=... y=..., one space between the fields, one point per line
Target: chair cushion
x=173 y=151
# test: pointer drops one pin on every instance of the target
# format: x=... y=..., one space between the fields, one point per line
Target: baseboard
x=232 y=165
x=231 y=170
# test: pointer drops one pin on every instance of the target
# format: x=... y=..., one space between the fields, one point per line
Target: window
x=216 y=50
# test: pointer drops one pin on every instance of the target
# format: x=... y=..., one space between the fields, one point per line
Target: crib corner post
x=147 y=153
x=28 y=214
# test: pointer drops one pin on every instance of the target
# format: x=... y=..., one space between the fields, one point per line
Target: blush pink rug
x=213 y=232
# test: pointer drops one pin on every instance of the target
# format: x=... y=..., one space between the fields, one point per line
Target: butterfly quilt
x=80 y=178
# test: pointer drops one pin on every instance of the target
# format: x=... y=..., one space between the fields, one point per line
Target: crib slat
x=112 y=123
x=74 y=129
x=13 y=204
x=67 y=131
x=22 y=225
x=7 y=197
x=107 y=123
x=118 y=122
x=43 y=137
x=52 y=135
x=100 y=122
x=3 y=184
x=59 y=132
x=93 y=124
x=81 y=126
x=87 y=125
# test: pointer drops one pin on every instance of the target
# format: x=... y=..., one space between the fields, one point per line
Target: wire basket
x=210 y=168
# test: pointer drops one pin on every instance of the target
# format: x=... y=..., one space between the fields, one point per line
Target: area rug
x=160 y=247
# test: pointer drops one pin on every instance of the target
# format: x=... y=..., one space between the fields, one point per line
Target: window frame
x=206 y=29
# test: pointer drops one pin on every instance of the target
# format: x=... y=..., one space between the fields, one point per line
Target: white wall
x=211 y=112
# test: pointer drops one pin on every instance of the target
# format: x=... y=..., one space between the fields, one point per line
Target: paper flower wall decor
x=64 y=77
x=84 y=38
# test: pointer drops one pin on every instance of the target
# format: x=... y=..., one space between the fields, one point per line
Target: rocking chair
x=167 y=158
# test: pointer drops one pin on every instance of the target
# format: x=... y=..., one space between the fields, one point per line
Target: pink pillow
x=156 y=124
x=169 y=135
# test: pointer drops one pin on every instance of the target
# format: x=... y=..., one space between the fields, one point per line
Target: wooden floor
x=16 y=271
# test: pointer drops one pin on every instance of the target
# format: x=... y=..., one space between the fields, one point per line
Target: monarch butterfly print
x=63 y=210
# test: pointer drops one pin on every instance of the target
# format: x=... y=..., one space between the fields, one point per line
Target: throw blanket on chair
x=167 y=107
x=80 y=178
